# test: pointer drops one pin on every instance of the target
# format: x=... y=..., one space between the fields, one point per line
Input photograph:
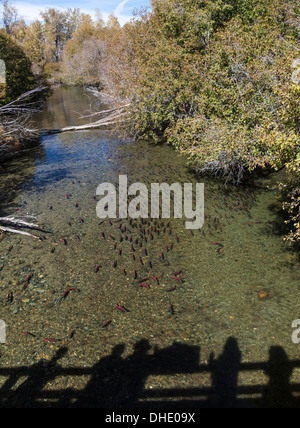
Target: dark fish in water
x=171 y=309
x=107 y=323
x=171 y=289
x=121 y=308
x=218 y=243
x=135 y=274
x=25 y=333
x=10 y=297
x=29 y=277
x=97 y=268
x=155 y=279
x=81 y=220
x=145 y=285
x=63 y=241
x=50 y=340
x=177 y=273
x=177 y=278
x=72 y=334
x=69 y=291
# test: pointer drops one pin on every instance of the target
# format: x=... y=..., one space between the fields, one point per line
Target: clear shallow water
x=217 y=300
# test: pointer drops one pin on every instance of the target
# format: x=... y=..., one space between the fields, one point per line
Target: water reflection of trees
x=17 y=172
x=119 y=382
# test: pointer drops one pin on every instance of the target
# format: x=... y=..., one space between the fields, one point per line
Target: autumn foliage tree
x=213 y=79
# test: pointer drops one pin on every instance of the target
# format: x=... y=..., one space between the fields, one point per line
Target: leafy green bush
x=19 y=78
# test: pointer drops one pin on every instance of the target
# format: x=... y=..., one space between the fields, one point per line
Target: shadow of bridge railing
x=117 y=382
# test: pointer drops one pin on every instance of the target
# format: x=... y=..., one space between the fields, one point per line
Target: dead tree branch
x=14 y=119
x=12 y=221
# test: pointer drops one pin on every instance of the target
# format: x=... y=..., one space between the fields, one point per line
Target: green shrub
x=19 y=78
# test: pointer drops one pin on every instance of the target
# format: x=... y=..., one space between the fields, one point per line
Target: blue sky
x=30 y=9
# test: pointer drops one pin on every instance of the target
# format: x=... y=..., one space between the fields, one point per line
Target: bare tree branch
x=17 y=222
x=14 y=118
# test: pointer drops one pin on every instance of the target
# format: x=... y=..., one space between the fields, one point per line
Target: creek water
x=216 y=303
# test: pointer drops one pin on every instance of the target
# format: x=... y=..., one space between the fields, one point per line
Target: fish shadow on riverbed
x=119 y=382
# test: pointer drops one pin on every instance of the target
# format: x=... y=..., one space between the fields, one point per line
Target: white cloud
x=118 y=13
x=119 y=9
x=31 y=11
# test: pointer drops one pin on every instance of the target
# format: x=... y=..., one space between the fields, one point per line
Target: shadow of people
x=178 y=358
x=279 y=369
x=29 y=393
x=138 y=369
x=224 y=373
x=106 y=387
x=117 y=382
x=120 y=382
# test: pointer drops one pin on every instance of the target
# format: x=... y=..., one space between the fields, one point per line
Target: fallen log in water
x=111 y=120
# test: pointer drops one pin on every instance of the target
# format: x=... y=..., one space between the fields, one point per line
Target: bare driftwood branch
x=18 y=222
x=25 y=104
x=103 y=112
x=228 y=167
x=19 y=232
x=117 y=117
x=14 y=118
